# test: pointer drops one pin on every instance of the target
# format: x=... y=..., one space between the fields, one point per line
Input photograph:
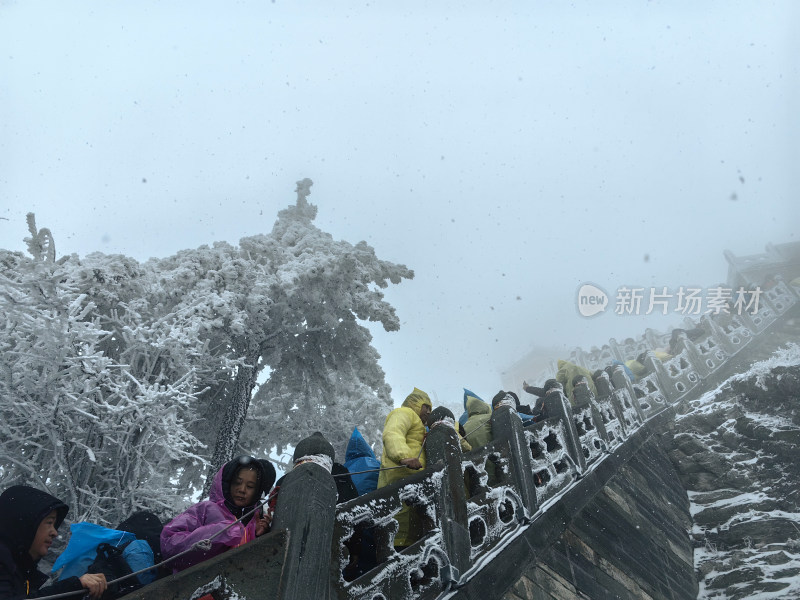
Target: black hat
x=145 y=526
x=550 y=384
x=501 y=395
x=314 y=444
x=440 y=413
x=269 y=475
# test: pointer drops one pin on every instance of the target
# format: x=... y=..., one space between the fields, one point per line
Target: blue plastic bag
x=82 y=547
x=360 y=457
x=139 y=555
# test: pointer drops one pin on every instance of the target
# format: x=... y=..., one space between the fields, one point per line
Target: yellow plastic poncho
x=661 y=355
x=479 y=423
x=403 y=434
x=637 y=368
x=640 y=370
x=567 y=372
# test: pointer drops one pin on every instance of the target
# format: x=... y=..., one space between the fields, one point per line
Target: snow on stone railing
x=372 y=516
x=472 y=505
x=773 y=303
x=495 y=490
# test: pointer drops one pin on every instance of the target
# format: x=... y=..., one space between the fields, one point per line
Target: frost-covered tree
x=183 y=341
x=91 y=429
x=324 y=372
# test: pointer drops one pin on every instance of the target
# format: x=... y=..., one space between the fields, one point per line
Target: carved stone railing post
x=766 y=312
x=718 y=335
x=693 y=356
x=557 y=405
x=578 y=357
x=306 y=508
x=584 y=399
x=602 y=384
x=507 y=426
x=604 y=389
x=654 y=365
x=616 y=350
x=652 y=338
x=442 y=446
x=621 y=382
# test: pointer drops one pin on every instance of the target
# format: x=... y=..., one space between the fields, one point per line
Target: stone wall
x=620 y=531
x=631 y=540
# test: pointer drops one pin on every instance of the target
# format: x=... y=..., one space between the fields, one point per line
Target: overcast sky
x=507 y=152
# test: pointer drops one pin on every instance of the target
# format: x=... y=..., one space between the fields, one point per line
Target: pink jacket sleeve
x=200 y=522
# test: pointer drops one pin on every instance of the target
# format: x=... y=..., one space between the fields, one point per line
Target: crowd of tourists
x=241 y=502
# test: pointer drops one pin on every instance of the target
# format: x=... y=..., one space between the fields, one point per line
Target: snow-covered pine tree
x=182 y=341
x=325 y=373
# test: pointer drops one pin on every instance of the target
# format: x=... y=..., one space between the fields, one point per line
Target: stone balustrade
x=472 y=504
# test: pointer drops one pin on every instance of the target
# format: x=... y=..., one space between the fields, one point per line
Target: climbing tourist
x=317 y=449
x=441 y=415
x=29 y=519
x=403 y=437
x=503 y=398
x=567 y=372
x=361 y=461
x=541 y=393
x=478 y=426
x=235 y=492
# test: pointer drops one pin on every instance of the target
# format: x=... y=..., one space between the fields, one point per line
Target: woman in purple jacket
x=235 y=491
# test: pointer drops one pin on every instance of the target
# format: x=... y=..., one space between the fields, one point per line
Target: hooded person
x=318 y=450
x=29 y=519
x=235 y=492
x=465 y=415
x=403 y=437
x=479 y=421
x=359 y=458
x=441 y=415
x=510 y=399
x=567 y=372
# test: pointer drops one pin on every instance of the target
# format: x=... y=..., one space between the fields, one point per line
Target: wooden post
x=442 y=446
x=507 y=426
x=306 y=508
x=557 y=405
x=621 y=382
x=585 y=399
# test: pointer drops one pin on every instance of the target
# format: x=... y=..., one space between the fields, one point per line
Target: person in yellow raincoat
x=479 y=422
x=403 y=436
x=638 y=367
x=567 y=371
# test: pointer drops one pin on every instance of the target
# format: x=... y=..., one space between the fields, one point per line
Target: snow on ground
x=745 y=505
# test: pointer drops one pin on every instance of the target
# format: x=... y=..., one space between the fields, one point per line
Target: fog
x=507 y=152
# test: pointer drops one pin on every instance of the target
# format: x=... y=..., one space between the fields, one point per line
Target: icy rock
x=737 y=453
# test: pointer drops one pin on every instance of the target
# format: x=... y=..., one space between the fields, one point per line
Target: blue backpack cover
x=360 y=457
x=81 y=550
x=139 y=555
x=465 y=415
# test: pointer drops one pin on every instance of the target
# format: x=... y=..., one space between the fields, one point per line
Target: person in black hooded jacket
x=29 y=519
